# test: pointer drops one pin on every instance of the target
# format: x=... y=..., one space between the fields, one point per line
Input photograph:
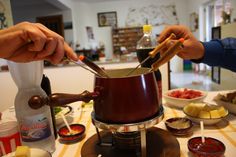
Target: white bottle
x=36 y=127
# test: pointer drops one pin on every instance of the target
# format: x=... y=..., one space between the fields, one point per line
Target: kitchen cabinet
x=126 y=37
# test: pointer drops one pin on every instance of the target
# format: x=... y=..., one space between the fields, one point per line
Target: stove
x=140 y=139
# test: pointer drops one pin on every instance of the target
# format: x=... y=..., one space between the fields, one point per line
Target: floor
x=193 y=80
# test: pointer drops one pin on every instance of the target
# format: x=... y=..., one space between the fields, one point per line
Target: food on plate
x=185 y=94
x=57 y=110
x=204 y=114
x=203 y=110
x=193 y=109
x=179 y=124
x=228 y=97
x=22 y=151
x=62 y=110
x=78 y=132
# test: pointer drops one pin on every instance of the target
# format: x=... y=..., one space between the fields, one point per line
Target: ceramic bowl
x=206 y=121
x=210 y=121
x=181 y=102
x=179 y=126
x=66 y=137
x=228 y=105
x=34 y=152
x=210 y=148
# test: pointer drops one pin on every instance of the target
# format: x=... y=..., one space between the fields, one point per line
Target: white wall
x=85 y=14
x=194 y=6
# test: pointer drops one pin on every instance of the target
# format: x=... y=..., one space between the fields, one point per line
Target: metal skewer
x=93 y=66
x=138 y=66
x=67 y=59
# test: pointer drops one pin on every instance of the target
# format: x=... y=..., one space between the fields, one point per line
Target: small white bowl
x=229 y=106
x=179 y=102
x=35 y=152
x=206 y=121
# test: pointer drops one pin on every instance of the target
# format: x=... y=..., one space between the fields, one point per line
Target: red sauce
x=76 y=128
x=185 y=94
x=210 y=146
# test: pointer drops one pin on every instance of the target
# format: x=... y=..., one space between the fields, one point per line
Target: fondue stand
x=127 y=128
x=125 y=140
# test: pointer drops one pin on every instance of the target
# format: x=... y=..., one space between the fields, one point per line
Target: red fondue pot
x=117 y=99
x=126 y=99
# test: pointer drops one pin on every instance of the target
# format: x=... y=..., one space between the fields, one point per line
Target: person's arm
x=27 y=42
x=214 y=53
x=192 y=49
x=220 y=53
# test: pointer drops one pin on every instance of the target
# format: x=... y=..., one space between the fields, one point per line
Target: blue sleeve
x=221 y=53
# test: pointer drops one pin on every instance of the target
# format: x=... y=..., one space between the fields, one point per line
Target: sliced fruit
x=222 y=112
x=215 y=114
x=204 y=114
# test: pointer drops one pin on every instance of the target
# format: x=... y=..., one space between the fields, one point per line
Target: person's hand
x=27 y=42
x=192 y=48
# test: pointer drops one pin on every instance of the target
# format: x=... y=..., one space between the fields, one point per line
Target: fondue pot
x=118 y=99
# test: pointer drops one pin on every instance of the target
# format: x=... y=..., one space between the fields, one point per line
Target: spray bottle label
x=34 y=128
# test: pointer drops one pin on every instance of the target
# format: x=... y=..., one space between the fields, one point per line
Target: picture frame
x=6 y=19
x=193 y=21
x=107 y=19
x=215 y=70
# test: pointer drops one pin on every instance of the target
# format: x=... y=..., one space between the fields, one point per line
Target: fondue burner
x=131 y=140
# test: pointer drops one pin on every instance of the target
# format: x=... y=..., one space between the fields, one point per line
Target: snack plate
x=35 y=152
x=206 y=121
x=229 y=106
x=179 y=102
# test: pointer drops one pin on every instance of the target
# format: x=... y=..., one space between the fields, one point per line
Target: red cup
x=9 y=137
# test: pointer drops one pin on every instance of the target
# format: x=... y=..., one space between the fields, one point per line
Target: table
x=225 y=131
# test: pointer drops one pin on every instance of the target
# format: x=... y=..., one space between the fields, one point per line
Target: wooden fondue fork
x=168 y=54
x=154 y=52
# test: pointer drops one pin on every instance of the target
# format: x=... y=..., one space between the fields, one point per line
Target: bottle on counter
x=35 y=125
x=145 y=45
